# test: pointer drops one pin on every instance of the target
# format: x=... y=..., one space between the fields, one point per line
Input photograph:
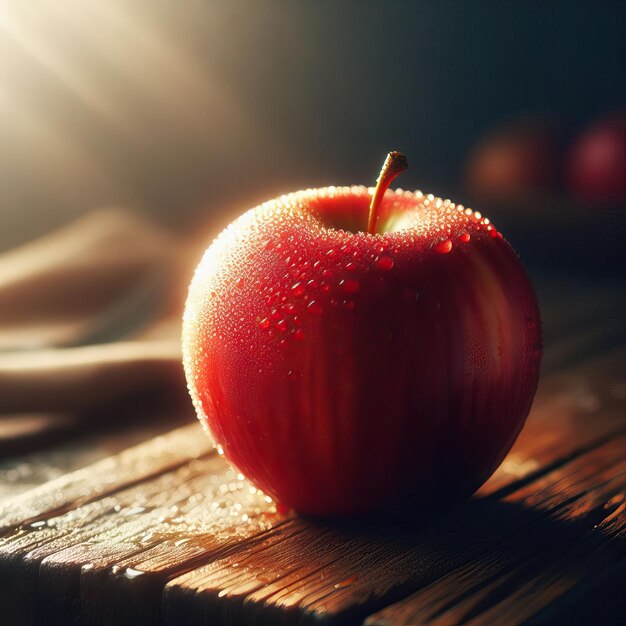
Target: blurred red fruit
x=519 y=158
x=596 y=167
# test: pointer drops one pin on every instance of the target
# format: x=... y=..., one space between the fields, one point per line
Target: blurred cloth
x=89 y=316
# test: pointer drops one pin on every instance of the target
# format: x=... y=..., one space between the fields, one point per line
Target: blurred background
x=190 y=112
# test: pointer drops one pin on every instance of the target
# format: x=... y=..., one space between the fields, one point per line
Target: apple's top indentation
x=401 y=214
x=311 y=253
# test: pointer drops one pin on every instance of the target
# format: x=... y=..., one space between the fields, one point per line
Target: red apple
x=596 y=168
x=347 y=370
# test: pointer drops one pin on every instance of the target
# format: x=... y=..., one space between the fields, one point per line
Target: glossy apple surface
x=346 y=373
x=596 y=168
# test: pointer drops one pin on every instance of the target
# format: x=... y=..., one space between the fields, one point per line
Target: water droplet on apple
x=315 y=308
x=298 y=334
x=281 y=325
x=298 y=289
x=264 y=323
x=444 y=247
x=350 y=267
x=384 y=263
x=464 y=237
x=349 y=285
x=327 y=273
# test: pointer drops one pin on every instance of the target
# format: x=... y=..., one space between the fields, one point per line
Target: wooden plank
x=573 y=411
x=218 y=512
x=70 y=555
x=596 y=390
x=22 y=550
x=40 y=566
x=581 y=317
x=515 y=580
x=601 y=599
x=136 y=598
x=108 y=475
x=75 y=450
x=329 y=574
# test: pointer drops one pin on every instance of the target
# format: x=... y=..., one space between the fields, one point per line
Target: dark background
x=192 y=111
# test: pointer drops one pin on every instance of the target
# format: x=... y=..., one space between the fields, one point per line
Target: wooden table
x=163 y=532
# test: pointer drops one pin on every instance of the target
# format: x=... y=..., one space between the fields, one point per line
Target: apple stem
x=394 y=164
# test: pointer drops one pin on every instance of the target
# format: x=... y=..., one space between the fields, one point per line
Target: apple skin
x=347 y=374
x=596 y=167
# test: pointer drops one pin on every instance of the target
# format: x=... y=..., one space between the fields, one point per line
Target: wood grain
x=583 y=529
x=130 y=466
x=338 y=575
x=166 y=533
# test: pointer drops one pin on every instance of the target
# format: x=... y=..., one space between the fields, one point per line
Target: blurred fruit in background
x=595 y=170
x=542 y=181
x=520 y=157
